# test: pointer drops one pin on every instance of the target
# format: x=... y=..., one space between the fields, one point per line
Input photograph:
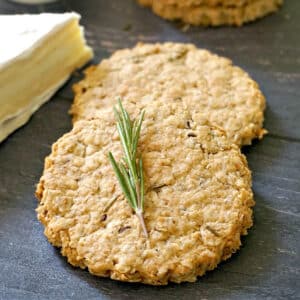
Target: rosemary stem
x=140 y=216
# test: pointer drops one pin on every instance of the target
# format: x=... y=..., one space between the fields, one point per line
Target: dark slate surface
x=268 y=265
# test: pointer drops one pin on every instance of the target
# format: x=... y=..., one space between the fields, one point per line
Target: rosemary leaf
x=119 y=175
x=141 y=175
x=133 y=196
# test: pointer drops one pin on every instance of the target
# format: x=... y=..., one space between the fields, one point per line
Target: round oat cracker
x=198 y=198
x=213 y=13
x=210 y=85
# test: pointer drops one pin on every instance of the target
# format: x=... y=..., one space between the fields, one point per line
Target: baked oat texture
x=209 y=84
x=197 y=203
x=189 y=3
x=214 y=12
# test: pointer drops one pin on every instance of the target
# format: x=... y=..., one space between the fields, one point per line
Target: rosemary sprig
x=129 y=170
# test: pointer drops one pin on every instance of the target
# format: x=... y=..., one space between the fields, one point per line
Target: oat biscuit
x=215 y=14
x=198 y=198
x=210 y=85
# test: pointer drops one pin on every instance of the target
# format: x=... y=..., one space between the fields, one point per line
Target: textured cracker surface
x=213 y=13
x=209 y=84
x=197 y=204
x=183 y=3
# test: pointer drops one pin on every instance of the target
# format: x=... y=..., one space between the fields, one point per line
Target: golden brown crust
x=197 y=204
x=189 y=3
x=209 y=15
x=210 y=85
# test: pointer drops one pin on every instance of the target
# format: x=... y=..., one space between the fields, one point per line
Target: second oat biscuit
x=213 y=13
x=208 y=84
